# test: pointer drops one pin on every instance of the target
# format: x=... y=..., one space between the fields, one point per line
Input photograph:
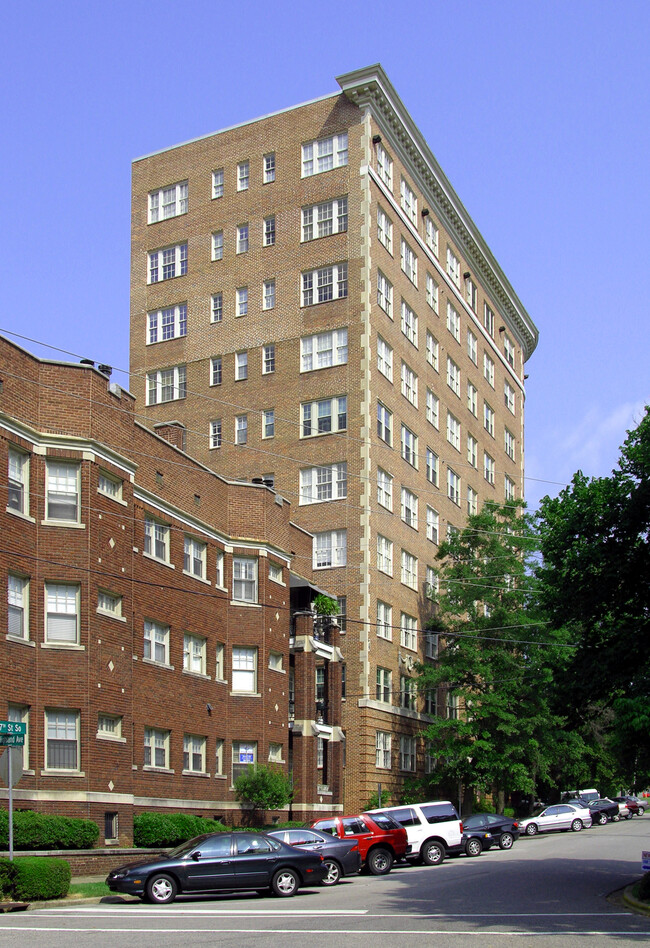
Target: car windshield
x=184 y=848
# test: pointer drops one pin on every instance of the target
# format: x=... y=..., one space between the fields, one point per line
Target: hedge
x=644 y=888
x=34 y=878
x=44 y=831
x=170 y=829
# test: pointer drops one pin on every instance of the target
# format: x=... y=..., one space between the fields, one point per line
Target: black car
x=341 y=856
x=601 y=810
x=484 y=830
x=220 y=861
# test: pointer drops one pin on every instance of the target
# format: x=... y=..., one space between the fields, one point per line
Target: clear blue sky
x=538 y=112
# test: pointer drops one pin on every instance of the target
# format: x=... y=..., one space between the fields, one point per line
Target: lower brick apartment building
x=158 y=634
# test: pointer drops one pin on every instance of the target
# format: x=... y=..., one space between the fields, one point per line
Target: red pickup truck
x=381 y=839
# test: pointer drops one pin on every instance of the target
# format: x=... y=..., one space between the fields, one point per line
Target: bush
x=34 y=878
x=7 y=873
x=169 y=829
x=643 y=889
x=265 y=788
x=44 y=831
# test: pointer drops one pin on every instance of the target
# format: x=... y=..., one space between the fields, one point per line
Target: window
x=433 y=409
x=62 y=613
x=276 y=661
x=166 y=385
x=63 y=491
x=241 y=366
x=275 y=753
x=384 y=230
x=488 y=319
x=242 y=238
x=408 y=634
x=409 y=508
x=244 y=579
x=509 y=397
x=244 y=669
x=328 y=283
x=342 y=615
x=409 y=572
x=384 y=555
x=195 y=557
x=409 y=202
x=453 y=266
x=384 y=620
x=471 y=292
x=409 y=324
x=432 y=467
x=268 y=423
x=453 y=322
x=488 y=468
x=407 y=693
x=241 y=429
x=453 y=486
x=472 y=345
x=432 y=292
x=217 y=245
x=432 y=351
x=407 y=751
x=324 y=154
x=385 y=294
x=382 y=750
x=268 y=168
x=61 y=739
x=453 y=376
x=18 y=606
x=319 y=484
x=241 y=297
x=243 y=175
x=269 y=231
x=169 y=323
x=18 y=487
x=433 y=587
x=109 y=604
x=509 y=443
x=409 y=444
x=472 y=399
x=431 y=235
x=168 y=202
x=193 y=754
x=220 y=662
x=488 y=419
x=218 y=758
x=156 y=539
x=156 y=748
x=472 y=451
x=268 y=294
x=509 y=350
x=330 y=549
x=384 y=685
x=323 y=417
x=384 y=489
x=109 y=726
x=244 y=755
x=109 y=485
x=384 y=358
x=384 y=166
x=324 y=350
x=510 y=491
x=472 y=502
x=409 y=384
x=453 y=431
x=168 y=263
x=409 y=262
x=321 y=220
x=216 y=431
x=156 y=642
x=488 y=369
x=433 y=525
x=216 y=370
x=217 y=183
x=194 y=654
x=268 y=359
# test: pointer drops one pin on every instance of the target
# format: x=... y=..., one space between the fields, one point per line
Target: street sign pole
x=11 y=807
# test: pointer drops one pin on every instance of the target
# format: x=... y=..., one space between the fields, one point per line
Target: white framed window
x=324 y=416
x=324 y=154
x=384 y=358
x=167 y=263
x=322 y=220
x=409 y=323
x=409 y=570
x=194 y=559
x=433 y=351
x=243 y=175
x=453 y=376
x=409 y=384
x=193 y=754
x=433 y=588
x=472 y=502
x=63 y=501
x=384 y=229
x=472 y=451
x=408 y=693
x=509 y=349
x=217 y=183
x=409 y=508
x=453 y=266
x=109 y=485
x=453 y=321
x=168 y=323
x=242 y=238
x=156 y=748
x=432 y=292
x=109 y=726
x=241 y=300
x=268 y=168
x=384 y=166
x=194 y=654
x=384 y=489
x=384 y=555
x=156 y=539
x=324 y=350
x=433 y=409
x=408 y=632
x=384 y=424
x=325 y=284
x=472 y=399
x=488 y=419
x=385 y=294
x=218 y=757
x=488 y=319
x=216 y=370
x=156 y=642
x=62 y=613
x=510 y=490
x=408 y=201
x=275 y=753
x=453 y=487
x=409 y=444
x=509 y=397
x=453 y=431
x=488 y=468
x=168 y=202
x=217 y=245
x=220 y=579
x=431 y=235
x=268 y=294
x=275 y=573
x=109 y=604
x=384 y=685
x=241 y=366
x=407 y=753
x=432 y=467
x=488 y=369
x=471 y=293
x=244 y=755
x=268 y=359
x=220 y=662
x=472 y=346
x=276 y=661
x=383 y=750
x=409 y=262
x=327 y=482
x=62 y=739
x=330 y=549
x=268 y=423
x=18 y=481
x=216 y=433
x=509 y=443
x=18 y=606
x=166 y=385
x=433 y=525
x=244 y=579
x=384 y=620
x=241 y=429
x=268 y=239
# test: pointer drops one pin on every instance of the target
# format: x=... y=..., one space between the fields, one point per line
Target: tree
x=263 y=788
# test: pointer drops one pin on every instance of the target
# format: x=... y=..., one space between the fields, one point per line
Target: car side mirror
x=196 y=854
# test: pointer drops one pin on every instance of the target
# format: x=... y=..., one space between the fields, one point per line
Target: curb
x=633 y=903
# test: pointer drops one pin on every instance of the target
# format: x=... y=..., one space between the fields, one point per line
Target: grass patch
x=88 y=890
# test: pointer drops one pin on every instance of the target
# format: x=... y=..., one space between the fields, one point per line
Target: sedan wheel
x=285 y=883
x=531 y=829
x=474 y=847
x=601 y=819
x=576 y=826
x=161 y=889
x=380 y=861
x=432 y=853
x=333 y=872
x=506 y=841
x=641 y=811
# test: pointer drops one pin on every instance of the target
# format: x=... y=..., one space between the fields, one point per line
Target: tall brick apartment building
x=312 y=303
x=156 y=618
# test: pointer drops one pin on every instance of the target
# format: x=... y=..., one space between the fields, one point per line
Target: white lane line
x=315 y=913
x=327 y=931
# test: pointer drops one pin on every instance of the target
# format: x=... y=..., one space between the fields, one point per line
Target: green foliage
x=34 y=878
x=373 y=801
x=643 y=888
x=264 y=788
x=154 y=830
x=7 y=873
x=44 y=831
x=324 y=605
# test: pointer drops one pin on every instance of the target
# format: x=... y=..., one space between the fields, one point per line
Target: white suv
x=434 y=829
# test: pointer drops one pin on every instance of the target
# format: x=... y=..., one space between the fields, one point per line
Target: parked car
x=341 y=856
x=217 y=862
x=561 y=816
x=381 y=840
x=634 y=805
x=434 y=829
x=602 y=810
x=484 y=830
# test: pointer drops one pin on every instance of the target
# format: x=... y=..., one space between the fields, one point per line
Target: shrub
x=32 y=878
x=265 y=788
x=7 y=873
x=643 y=889
x=44 y=831
x=170 y=829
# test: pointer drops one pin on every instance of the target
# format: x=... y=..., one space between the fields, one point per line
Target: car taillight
x=515 y=825
x=461 y=826
x=355 y=848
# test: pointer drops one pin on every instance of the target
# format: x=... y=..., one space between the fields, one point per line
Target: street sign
x=13 y=727
x=645 y=860
x=12 y=740
x=16 y=766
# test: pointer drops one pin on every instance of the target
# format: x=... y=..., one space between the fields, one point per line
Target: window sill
x=280 y=671
x=245 y=694
x=19 y=640
x=20 y=515
x=149 y=768
x=220 y=681
x=220 y=777
x=70 y=524
x=220 y=587
x=152 y=661
x=110 y=737
x=110 y=615
x=194 y=773
x=69 y=646
x=199 y=579
x=193 y=674
x=156 y=559
x=62 y=773
x=244 y=604
x=278 y=582
x=116 y=500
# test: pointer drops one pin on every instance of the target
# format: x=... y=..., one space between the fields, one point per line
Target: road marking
x=315 y=913
x=325 y=931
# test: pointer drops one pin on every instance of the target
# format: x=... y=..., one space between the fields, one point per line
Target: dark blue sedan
x=341 y=856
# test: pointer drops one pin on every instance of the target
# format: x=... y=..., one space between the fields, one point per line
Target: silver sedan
x=563 y=816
